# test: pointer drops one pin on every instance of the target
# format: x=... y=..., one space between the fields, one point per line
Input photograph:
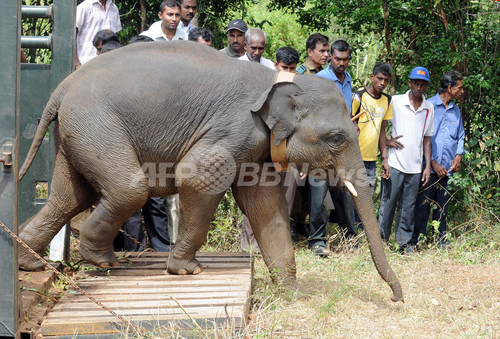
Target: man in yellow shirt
x=377 y=109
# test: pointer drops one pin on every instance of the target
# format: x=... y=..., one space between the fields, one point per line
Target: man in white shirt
x=188 y=11
x=412 y=128
x=93 y=16
x=255 y=44
x=167 y=28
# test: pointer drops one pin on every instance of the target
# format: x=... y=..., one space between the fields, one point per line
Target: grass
x=445 y=297
x=449 y=293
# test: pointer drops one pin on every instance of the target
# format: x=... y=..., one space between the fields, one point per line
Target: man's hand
x=393 y=142
x=439 y=169
x=426 y=176
x=455 y=164
x=386 y=171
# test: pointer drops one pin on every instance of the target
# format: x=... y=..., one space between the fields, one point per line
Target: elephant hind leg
x=70 y=194
x=123 y=193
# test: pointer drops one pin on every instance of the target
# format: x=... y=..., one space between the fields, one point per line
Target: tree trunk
x=387 y=38
x=143 y=15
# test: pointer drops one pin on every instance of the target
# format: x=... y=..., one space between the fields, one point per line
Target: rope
x=72 y=282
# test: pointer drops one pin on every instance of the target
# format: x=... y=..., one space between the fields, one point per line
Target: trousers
x=434 y=194
x=400 y=191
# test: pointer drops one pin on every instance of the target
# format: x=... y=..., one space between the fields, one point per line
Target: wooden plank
x=219 y=295
x=179 y=295
x=177 y=323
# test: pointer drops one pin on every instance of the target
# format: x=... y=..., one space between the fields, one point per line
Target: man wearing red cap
x=412 y=128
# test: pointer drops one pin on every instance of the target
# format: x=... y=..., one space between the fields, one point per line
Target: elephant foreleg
x=267 y=211
x=196 y=211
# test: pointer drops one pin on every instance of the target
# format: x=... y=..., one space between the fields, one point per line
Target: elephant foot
x=28 y=262
x=102 y=258
x=182 y=266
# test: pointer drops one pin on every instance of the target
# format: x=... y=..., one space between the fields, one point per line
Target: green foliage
x=440 y=35
x=37 y=27
x=224 y=235
x=282 y=29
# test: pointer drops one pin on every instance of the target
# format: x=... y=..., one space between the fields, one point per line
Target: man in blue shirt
x=447 y=150
x=344 y=208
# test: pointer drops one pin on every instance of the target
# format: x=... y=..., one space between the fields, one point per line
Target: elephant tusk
x=350 y=187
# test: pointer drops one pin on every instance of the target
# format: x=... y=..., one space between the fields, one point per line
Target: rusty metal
x=7 y=150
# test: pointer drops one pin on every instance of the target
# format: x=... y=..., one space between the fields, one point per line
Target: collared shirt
x=229 y=51
x=345 y=88
x=91 y=17
x=156 y=33
x=187 y=28
x=308 y=68
x=263 y=61
x=448 y=139
x=413 y=124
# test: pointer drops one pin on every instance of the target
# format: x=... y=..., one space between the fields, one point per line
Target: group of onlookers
x=424 y=149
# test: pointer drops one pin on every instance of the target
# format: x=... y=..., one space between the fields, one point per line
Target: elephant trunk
x=366 y=212
x=362 y=198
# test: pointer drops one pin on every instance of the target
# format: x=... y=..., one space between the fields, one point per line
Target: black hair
x=288 y=55
x=103 y=36
x=382 y=68
x=169 y=3
x=450 y=78
x=341 y=46
x=313 y=40
x=109 y=46
x=140 y=38
x=204 y=33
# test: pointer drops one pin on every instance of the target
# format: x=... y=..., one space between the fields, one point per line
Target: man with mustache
x=166 y=29
x=236 y=30
x=413 y=125
x=317 y=54
x=446 y=156
x=188 y=11
x=340 y=52
x=255 y=45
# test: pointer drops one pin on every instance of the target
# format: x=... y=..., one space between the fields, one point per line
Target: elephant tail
x=49 y=114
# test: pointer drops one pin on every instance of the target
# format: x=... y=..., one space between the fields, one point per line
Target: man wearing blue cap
x=412 y=128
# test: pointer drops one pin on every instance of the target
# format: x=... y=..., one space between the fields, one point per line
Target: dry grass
x=452 y=293
x=446 y=296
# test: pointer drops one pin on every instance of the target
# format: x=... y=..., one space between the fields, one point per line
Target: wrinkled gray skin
x=184 y=102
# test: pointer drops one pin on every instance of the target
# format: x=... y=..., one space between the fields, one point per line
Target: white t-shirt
x=413 y=125
x=263 y=61
x=156 y=33
x=91 y=18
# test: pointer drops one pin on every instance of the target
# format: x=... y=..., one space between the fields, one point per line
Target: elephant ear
x=277 y=108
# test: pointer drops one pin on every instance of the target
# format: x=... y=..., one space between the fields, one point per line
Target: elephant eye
x=335 y=140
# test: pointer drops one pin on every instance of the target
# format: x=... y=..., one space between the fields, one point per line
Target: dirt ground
x=445 y=297
x=451 y=293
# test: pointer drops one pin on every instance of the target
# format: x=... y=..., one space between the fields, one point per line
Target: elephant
x=179 y=117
